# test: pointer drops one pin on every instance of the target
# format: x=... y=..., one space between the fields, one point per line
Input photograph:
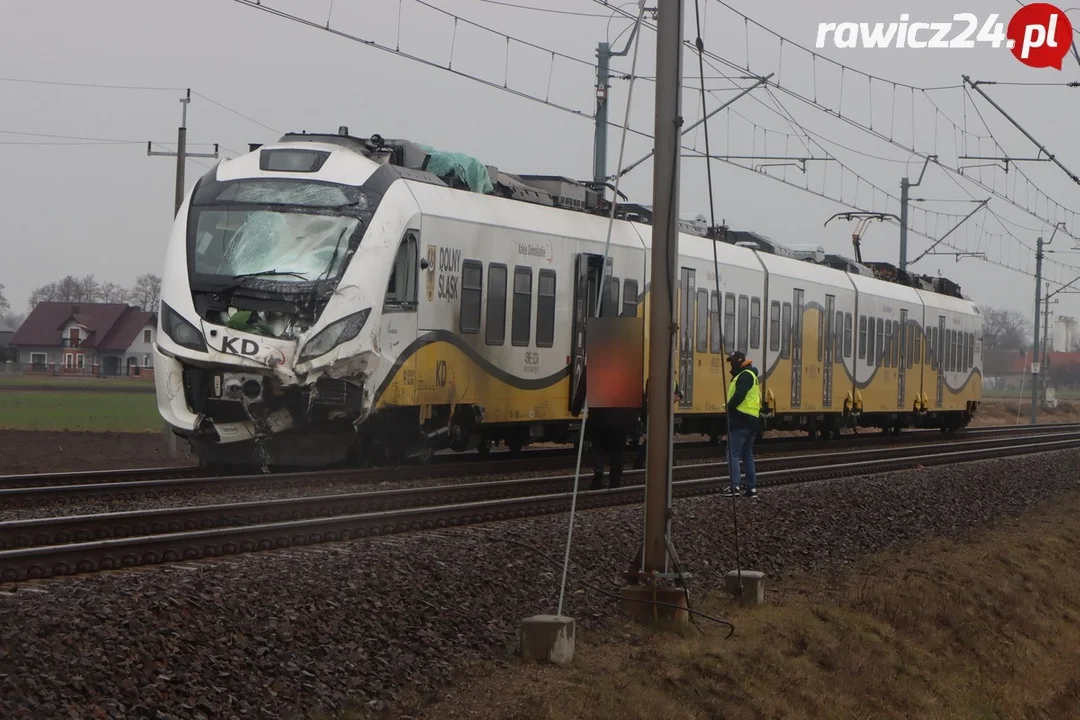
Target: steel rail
x=54 y=560
x=499 y=461
x=99 y=526
x=156 y=483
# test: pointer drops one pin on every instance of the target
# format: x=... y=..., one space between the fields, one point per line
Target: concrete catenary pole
x=604 y=53
x=181 y=156
x=665 y=250
x=1036 y=381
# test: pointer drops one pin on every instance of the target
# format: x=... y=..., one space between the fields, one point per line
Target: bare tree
x=147 y=292
x=113 y=293
x=4 y=305
x=1005 y=330
x=89 y=288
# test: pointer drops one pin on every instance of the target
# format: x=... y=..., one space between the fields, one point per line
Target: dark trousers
x=611 y=444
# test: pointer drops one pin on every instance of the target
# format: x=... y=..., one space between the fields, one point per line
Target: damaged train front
x=260 y=282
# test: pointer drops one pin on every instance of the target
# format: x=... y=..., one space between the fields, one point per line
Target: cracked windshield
x=293 y=246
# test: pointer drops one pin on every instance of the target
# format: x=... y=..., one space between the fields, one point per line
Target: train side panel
x=953 y=373
x=713 y=324
x=887 y=377
x=808 y=372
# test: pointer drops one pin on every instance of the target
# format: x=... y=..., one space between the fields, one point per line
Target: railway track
x=69 y=545
x=36 y=490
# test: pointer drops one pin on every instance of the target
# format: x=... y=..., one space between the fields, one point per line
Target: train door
x=687 y=322
x=828 y=346
x=901 y=365
x=587 y=274
x=939 y=355
x=399 y=315
x=797 y=350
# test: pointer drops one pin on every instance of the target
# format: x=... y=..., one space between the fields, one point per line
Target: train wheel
x=484 y=447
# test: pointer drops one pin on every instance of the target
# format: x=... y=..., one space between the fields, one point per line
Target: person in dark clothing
x=743 y=410
x=609 y=429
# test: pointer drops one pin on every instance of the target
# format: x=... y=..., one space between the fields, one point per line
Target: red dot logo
x=1040 y=35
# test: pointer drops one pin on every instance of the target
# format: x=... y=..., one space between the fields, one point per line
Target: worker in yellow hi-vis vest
x=744 y=411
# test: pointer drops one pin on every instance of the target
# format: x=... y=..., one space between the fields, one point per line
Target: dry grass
x=985 y=628
x=1003 y=411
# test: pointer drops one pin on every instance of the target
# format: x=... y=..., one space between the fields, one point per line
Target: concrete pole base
x=753 y=586
x=640 y=603
x=547 y=638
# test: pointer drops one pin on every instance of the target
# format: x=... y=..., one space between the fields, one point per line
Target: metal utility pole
x=604 y=53
x=664 y=261
x=1035 y=346
x=181 y=156
x=905 y=186
x=1035 y=368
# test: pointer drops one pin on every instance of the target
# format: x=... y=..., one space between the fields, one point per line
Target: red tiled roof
x=124 y=332
x=44 y=326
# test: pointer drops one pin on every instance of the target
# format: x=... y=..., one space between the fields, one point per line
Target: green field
x=73 y=410
x=37 y=381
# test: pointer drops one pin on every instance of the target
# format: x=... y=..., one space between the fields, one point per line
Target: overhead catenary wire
x=839 y=114
x=859 y=181
x=552 y=54
x=553 y=11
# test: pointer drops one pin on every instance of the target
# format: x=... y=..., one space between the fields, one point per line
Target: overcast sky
x=106 y=209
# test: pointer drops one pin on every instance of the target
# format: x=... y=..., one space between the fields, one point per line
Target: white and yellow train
x=328 y=297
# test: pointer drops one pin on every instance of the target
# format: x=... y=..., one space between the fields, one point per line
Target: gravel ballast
x=279 y=635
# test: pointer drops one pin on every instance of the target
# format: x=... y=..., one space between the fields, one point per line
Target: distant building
x=1064 y=335
x=6 y=333
x=107 y=339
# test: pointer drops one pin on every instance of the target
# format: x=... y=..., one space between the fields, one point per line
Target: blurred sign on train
x=615 y=349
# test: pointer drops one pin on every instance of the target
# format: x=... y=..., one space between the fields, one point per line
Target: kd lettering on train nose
x=236 y=346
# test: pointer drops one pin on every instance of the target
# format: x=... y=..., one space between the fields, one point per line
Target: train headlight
x=180 y=330
x=334 y=334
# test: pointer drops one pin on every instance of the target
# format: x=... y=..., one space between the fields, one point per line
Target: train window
x=609 y=303
x=886 y=349
x=496 y=305
x=935 y=349
x=629 y=298
x=862 y=337
x=879 y=355
x=744 y=322
x=785 y=332
x=545 y=309
x=870 y=336
x=715 y=341
x=910 y=350
x=729 y=321
x=971 y=350
x=472 y=282
x=930 y=346
x=916 y=334
x=521 y=319
x=401 y=290
x=898 y=338
x=820 y=334
x=948 y=350
x=755 y=323
x=849 y=326
x=838 y=337
x=774 y=326
x=702 y=321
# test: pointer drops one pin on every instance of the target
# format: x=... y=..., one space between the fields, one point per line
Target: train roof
x=424 y=164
